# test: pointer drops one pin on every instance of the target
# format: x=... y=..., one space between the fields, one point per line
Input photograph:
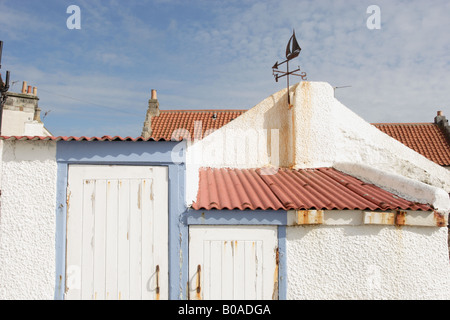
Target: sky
x=211 y=54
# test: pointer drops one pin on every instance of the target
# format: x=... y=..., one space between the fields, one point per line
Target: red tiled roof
x=72 y=138
x=174 y=122
x=424 y=138
x=306 y=189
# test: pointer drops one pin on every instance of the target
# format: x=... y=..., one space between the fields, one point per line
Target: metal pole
x=3 y=95
x=1 y=49
x=289 y=97
x=1 y=114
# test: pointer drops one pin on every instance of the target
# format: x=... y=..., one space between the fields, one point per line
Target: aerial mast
x=4 y=87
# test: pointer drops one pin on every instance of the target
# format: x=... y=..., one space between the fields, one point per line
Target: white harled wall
x=367 y=262
x=27 y=220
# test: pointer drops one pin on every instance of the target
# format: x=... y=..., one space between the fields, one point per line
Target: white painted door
x=117 y=232
x=233 y=263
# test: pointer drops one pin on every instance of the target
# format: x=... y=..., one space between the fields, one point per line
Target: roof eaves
x=73 y=138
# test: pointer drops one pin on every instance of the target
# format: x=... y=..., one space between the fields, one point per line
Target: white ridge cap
x=407 y=188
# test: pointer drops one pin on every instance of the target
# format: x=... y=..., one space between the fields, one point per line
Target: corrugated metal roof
x=306 y=189
x=424 y=138
x=72 y=138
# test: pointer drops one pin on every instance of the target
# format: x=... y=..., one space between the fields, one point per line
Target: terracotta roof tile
x=192 y=124
x=424 y=138
x=72 y=138
x=306 y=189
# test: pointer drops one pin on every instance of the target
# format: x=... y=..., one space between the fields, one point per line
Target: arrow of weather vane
x=292 y=51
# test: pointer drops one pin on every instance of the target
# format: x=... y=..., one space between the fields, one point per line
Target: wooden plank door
x=117 y=232
x=233 y=263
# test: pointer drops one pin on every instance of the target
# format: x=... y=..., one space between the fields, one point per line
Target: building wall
x=27 y=220
x=13 y=122
x=343 y=259
x=33 y=210
x=367 y=262
x=318 y=131
x=21 y=115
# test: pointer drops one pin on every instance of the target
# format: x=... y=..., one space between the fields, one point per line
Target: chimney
x=152 y=111
x=442 y=122
x=37 y=115
x=26 y=102
x=24 y=87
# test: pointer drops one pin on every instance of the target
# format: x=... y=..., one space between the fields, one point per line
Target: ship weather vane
x=292 y=51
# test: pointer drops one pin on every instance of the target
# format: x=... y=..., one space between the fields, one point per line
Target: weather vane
x=292 y=51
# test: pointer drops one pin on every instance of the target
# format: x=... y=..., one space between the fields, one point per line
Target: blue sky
x=218 y=54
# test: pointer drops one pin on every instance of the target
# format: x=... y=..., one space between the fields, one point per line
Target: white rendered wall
x=367 y=262
x=34 y=128
x=244 y=142
x=27 y=220
x=13 y=122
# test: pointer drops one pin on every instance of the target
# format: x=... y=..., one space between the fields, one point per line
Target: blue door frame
x=258 y=217
x=156 y=153
x=148 y=153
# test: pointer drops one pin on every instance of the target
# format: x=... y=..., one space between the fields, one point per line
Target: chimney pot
x=34 y=91
x=37 y=115
x=154 y=97
x=29 y=89
x=24 y=87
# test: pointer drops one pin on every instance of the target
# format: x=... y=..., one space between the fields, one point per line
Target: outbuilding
x=301 y=201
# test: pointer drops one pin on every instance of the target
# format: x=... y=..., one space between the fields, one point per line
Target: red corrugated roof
x=424 y=138
x=306 y=189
